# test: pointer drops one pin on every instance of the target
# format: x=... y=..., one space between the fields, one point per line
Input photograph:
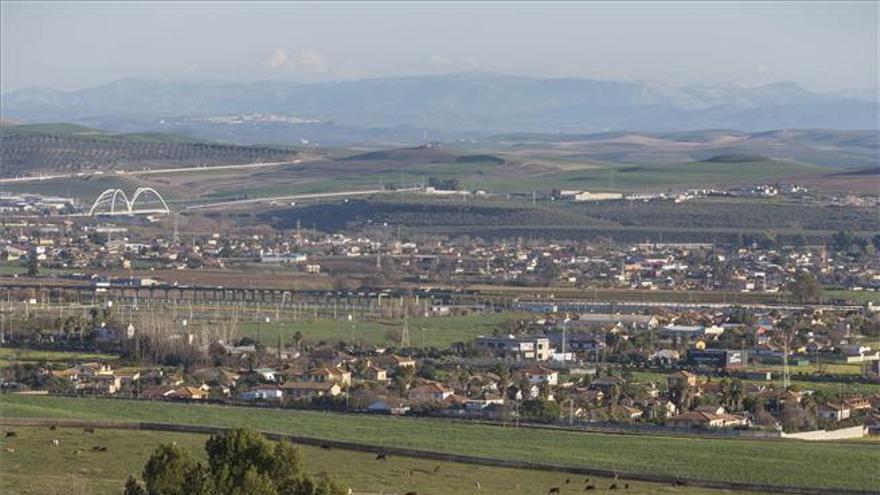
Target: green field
x=8 y=356
x=634 y=177
x=439 y=331
x=843 y=465
x=856 y=296
x=36 y=468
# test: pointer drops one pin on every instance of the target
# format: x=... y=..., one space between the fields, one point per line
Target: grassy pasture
x=37 y=467
x=9 y=356
x=439 y=331
x=841 y=465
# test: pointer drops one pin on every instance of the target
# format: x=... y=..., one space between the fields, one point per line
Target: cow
x=381 y=457
x=554 y=489
x=89 y=430
x=55 y=442
x=10 y=434
x=589 y=488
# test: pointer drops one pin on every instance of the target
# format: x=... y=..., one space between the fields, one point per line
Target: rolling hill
x=36 y=148
x=829 y=148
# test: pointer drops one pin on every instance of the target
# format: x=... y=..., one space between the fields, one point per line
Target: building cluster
x=670 y=369
x=750 y=267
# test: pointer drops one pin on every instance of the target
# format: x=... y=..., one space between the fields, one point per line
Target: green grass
x=37 y=468
x=624 y=177
x=9 y=355
x=439 y=331
x=856 y=296
x=776 y=462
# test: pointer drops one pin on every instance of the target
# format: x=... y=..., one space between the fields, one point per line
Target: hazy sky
x=824 y=46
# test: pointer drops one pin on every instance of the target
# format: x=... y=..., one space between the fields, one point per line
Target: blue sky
x=823 y=46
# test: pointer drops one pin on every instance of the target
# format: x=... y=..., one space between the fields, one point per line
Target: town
x=771 y=353
x=439 y=248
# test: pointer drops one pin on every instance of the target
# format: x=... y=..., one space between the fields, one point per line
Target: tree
x=33 y=266
x=732 y=394
x=132 y=487
x=240 y=462
x=541 y=411
x=167 y=470
x=444 y=184
x=805 y=287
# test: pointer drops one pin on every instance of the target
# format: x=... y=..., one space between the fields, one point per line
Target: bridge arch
x=115 y=202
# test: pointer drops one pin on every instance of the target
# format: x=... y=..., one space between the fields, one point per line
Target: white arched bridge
x=113 y=202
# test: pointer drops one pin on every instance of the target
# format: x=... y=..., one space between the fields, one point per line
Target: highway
x=299 y=197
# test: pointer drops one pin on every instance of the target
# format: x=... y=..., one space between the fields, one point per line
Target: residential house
x=518 y=348
x=311 y=389
x=326 y=374
x=266 y=392
x=431 y=392
x=702 y=419
x=833 y=411
x=389 y=405
x=540 y=375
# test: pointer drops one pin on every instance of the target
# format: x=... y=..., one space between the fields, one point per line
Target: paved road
x=339 y=194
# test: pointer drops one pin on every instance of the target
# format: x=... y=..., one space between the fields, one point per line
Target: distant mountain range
x=458 y=106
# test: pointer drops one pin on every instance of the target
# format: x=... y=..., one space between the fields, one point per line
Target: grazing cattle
x=99 y=448
x=567 y=481
x=678 y=483
x=89 y=430
x=554 y=489
x=325 y=446
x=437 y=469
x=55 y=442
x=10 y=434
x=589 y=488
x=77 y=452
x=476 y=485
x=586 y=480
x=10 y=450
x=53 y=427
x=381 y=457
x=412 y=493
x=613 y=486
x=626 y=486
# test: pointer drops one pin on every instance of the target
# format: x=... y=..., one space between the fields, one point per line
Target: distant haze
x=827 y=47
